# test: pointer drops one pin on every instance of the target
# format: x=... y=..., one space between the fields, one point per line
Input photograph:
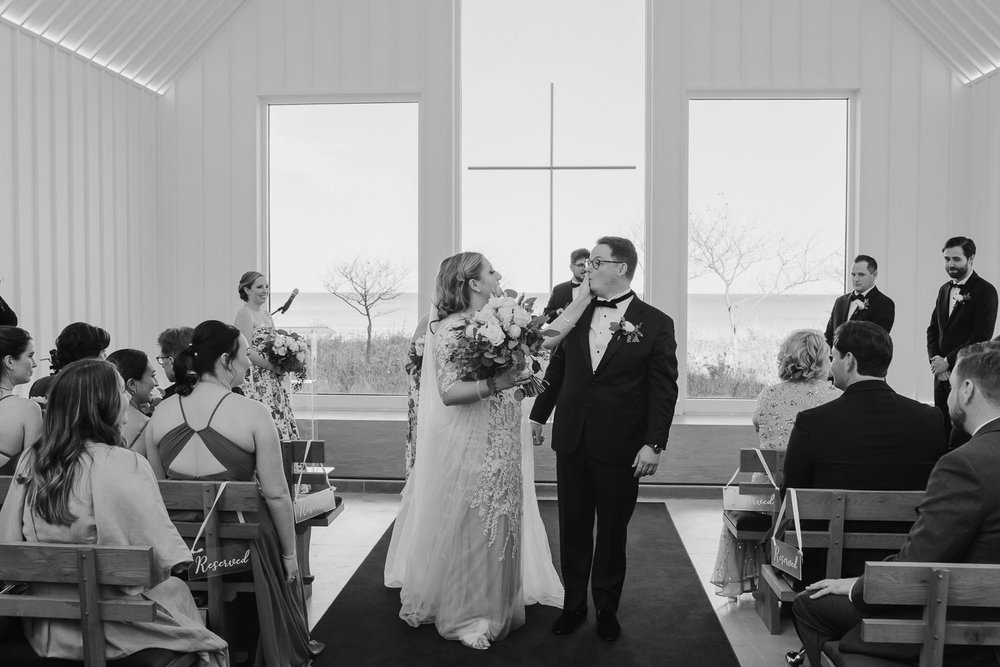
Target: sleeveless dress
x=268 y=388
x=283 y=635
x=457 y=539
x=8 y=463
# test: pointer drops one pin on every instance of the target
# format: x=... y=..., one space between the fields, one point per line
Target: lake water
x=773 y=318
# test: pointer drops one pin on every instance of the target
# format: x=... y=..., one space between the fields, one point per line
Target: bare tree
x=363 y=284
x=717 y=246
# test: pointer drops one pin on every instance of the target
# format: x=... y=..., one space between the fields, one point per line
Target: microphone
x=287 y=304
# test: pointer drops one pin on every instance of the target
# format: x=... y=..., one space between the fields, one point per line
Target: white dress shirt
x=857 y=302
x=600 y=326
x=956 y=292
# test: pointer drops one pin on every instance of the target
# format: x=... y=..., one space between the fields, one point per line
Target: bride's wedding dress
x=456 y=551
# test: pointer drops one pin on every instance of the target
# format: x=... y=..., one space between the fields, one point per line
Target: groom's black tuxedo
x=603 y=418
x=880 y=310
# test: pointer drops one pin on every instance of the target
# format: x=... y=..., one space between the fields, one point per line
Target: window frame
x=745 y=406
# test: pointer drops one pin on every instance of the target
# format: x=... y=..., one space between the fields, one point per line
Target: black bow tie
x=574 y=284
x=857 y=297
x=601 y=303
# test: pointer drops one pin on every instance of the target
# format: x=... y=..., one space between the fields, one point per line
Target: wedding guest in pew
x=20 y=418
x=76 y=341
x=868 y=438
x=803 y=368
x=171 y=342
x=79 y=485
x=958 y=522
x=140 y=380
x=206 y=432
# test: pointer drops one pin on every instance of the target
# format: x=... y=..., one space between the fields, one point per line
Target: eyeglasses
x=595 y=263
x=162 y=360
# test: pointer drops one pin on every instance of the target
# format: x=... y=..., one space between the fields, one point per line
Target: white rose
x=280 y=351
x=301 y=356
x=521 y=317
x=483 y=316
x=628 y=326
x=470 y=331
x=493 y=333
x=514 y=331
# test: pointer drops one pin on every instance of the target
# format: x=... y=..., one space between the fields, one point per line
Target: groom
x=613 y=381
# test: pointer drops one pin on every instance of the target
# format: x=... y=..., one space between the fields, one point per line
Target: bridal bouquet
x=288 y=352
x=503 y=334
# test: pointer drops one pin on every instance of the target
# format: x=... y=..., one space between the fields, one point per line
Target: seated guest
x=957 y=521
x=563 y=293
x=20 y=419
x=206 y=432
x=80 y=486
x=140 y=379
x=171 y=342
x=77 y=341
x=869 y=438
x=803 y=366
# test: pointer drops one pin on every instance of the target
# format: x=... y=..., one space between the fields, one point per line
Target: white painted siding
x=908 y=182
x=210 y=130
x=981 y=175
x=77 y=194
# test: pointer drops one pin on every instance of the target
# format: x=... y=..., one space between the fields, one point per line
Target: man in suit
x=965 y=312
x=850 y=442
x=865 y=303
x=563 y=293
x=958 y=521
x=613 y=383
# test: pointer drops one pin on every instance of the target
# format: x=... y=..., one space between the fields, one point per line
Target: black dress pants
x=589 y=489
x=956 y=436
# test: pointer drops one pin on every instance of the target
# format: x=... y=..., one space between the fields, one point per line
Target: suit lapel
x=632 y=314
x=583 y=327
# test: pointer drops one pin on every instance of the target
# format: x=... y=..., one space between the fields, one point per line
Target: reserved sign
x=229 y=559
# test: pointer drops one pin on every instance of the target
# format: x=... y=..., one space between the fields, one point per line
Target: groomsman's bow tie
x=857 y=297
x=601 y=303
x=574 y=284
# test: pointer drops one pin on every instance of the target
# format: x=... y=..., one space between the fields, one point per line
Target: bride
x=456 y=549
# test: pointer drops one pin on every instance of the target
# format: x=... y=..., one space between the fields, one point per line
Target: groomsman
x=563 y=293
x=965 y=312
x=865 y=303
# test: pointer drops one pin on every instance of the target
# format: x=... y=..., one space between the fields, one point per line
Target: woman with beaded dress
x=264 y=382
x=803 y=368
x=460 y=527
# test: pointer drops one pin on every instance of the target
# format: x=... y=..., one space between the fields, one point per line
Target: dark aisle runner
x=666 y=618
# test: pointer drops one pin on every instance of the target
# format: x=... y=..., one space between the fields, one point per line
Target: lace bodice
x=779 y=405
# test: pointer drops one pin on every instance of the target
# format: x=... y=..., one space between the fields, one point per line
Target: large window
x=342 y=210
x=551 y=84
x=767 y=228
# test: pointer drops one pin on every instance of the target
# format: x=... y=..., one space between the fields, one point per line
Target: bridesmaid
x=140 y=379
x=264 y=383
x=20 y=418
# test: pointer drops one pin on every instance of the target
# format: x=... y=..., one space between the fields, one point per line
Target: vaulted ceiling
x=965 y=33
x=146 y=41
x=150 y=41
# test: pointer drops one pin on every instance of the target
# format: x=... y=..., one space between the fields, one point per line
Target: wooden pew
x=752 y=480
x=310 y=453
x=835 y=507
x=935 y=587
x=198 y=496
x=88 y=566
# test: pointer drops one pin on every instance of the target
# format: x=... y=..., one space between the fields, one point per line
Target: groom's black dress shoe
x=568 y=621
x=608 y=627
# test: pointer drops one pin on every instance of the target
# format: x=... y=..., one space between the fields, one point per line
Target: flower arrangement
x=288 y=352
x=503 y=334
x=630 y=333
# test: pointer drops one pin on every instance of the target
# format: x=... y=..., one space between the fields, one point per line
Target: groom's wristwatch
x=658 y=448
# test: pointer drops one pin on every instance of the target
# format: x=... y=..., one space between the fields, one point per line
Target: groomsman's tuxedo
x=609 y=402
x=562 y=296
x=871 y=306
x=964 y=313
x=850 y=443
x=957 y=522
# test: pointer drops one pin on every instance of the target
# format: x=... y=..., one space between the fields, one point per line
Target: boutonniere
x=962 y=298
x=631 y=333
x=862 y=304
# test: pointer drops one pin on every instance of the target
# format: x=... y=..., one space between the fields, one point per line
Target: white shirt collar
x=865 y=293
x=964 y=280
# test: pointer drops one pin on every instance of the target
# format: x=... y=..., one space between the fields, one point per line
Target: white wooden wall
x=209 y=130
x=910 y=151
x=77 y=195
x=982 y=174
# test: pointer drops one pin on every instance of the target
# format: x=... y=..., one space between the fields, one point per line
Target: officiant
x=563 y=293
x=865 y=303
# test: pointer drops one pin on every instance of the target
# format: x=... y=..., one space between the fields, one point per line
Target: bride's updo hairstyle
x=452 y=293
x=246 y=282
x=211 y=339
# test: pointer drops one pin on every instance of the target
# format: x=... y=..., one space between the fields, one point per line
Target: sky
x=343 y=178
